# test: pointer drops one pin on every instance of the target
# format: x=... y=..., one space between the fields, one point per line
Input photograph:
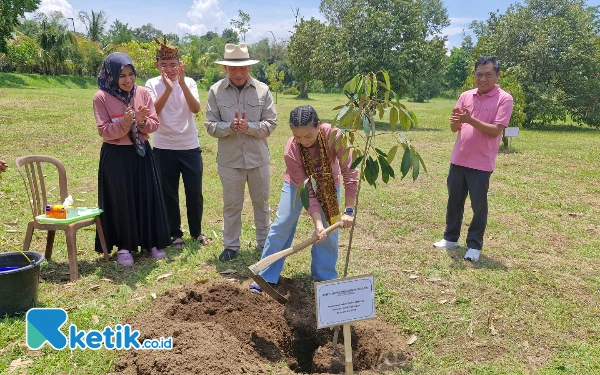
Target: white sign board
x=511 y=132
x=346 y=300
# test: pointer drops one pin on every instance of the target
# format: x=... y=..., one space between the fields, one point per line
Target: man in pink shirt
x=479 y=117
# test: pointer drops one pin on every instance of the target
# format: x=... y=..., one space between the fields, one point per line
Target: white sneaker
x=443 y=244
x=472 y=255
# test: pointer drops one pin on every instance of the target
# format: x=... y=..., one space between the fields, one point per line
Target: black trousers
x=187 y=163
x=462 y=181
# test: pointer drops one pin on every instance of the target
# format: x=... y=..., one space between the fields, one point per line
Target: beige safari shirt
x=237 y=149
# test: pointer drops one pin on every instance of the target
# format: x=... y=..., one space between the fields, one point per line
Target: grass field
x=530 y=306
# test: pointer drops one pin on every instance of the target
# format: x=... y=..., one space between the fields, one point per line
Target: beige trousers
x=234 y=182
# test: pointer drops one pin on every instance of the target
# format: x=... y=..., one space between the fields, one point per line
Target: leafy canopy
x=369 y=97
x=553 y=48
x=11 y=12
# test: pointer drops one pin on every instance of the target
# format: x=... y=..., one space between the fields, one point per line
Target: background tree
x=119 y=33
x=301 y=52
x=230 y=36
x=172 y=38
x=11 y=12
x=210 y=35
x=401 y=37
x=199 y=54
x=94 y=24
x=22 y=55
x=147 y=33
x=241 y=24
x=144 y=56
x=335 y=11
x=90 y=57
x=552 y=46
x=46 y=45
x=268 y=51
x=260 y=51
x=209 y=71
x=426 y=69
x=331 y=56
x=275 y=79
x=29 y=28
x=56 y=41
x=457 y=66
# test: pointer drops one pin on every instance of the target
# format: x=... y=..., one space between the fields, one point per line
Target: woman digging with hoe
x=309 y=153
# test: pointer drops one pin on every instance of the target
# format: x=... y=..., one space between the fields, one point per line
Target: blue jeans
x=281 y=235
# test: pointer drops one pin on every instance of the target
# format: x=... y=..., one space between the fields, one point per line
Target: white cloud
x=457 y=26
x=204 y=15
x=279 y=30
x=266 y=27
x=209 y=8
x=454 y=30
x=49 y=6
x=184 y=28
x=462 y=20
x=211 y=15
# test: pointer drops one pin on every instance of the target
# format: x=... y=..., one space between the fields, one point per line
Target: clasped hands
x=461 y=115
x=138 y=116
x=178 y=71
x=239 y=124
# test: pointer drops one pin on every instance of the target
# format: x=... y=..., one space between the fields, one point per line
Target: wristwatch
x=349 y=211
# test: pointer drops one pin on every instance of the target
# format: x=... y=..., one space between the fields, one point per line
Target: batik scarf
x=325 y=191
x=108 y=80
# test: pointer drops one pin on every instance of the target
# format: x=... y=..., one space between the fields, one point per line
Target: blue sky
x=268 y=18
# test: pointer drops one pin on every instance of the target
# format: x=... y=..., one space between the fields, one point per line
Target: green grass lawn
x=529 y=307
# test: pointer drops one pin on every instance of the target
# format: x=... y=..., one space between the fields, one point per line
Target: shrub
x=22 y=55
x=317 y=86
x=291 y=91
x=511 y=85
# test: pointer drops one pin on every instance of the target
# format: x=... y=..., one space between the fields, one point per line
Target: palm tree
x=56 y=42
x=94 y=24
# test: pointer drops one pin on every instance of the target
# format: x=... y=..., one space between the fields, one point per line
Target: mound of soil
x=223 y=328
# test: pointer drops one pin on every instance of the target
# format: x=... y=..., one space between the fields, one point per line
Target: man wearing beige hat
x=241 y=114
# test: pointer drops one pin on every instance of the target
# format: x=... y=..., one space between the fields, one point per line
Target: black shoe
x=228 y=255
x=177 y=244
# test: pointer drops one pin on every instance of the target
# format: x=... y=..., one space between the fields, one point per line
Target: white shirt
x=177 y=130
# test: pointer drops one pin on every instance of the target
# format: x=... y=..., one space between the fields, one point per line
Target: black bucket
x=19 y=286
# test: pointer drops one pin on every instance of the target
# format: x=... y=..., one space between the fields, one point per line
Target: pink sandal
x=124 y=258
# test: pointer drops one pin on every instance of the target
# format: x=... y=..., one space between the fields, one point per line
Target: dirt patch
x=223 y=328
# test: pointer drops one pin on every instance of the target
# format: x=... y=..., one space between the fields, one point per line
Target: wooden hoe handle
x=265 y=262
